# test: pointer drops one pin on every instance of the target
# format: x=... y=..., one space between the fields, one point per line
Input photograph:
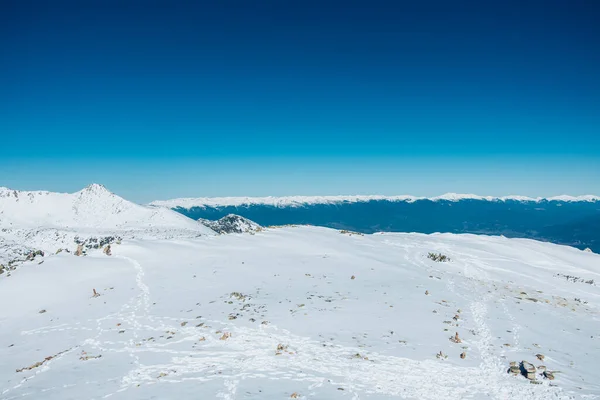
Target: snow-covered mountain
x=91 y=208
x=232 y=223
x=298 y=201
x=48 y=222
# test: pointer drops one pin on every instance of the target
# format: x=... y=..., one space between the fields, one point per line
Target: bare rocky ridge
x=232 y=224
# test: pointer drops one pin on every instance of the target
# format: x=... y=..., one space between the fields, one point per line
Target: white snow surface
x=289 y=312
x=298 y=201
x=91 y=208
x=303 y=311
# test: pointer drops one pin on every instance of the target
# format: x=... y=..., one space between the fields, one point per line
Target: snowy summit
x=92 y=207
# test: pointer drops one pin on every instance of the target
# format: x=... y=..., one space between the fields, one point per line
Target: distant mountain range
x=568 y=220
x=301 y=201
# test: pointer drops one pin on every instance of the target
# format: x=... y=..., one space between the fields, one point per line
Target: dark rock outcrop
x=232 y=224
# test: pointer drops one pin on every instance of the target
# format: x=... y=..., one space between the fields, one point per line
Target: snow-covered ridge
x=232 y=224
x=93 y=207
x=297 y=201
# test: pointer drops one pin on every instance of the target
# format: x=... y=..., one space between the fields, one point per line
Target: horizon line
x=324 y=199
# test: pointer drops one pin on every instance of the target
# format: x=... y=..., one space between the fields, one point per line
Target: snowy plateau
x=103 y=298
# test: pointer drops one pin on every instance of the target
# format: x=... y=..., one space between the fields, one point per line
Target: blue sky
x=279 y=97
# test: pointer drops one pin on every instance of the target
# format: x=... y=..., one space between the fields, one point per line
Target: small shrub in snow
x=439 y=257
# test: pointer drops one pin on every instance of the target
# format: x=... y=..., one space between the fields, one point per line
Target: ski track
x=250 y=354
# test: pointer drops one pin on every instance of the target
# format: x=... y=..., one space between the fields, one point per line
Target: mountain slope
x=305 y=313
x=91 y=208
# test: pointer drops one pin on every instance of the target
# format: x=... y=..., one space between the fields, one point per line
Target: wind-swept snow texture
x=303 y=312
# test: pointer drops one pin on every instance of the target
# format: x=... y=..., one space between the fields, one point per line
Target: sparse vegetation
x=575 y=279
x=40 y=363
x=347 y=232
x=439 y=257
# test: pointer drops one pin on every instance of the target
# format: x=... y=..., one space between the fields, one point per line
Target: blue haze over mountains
x=570 y=223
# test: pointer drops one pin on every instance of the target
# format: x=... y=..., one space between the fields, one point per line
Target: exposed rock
x=97 y=242
x=540 y=357
x=438 y=257
x=107 y=250
x=79 y=251
x=40 y=363
x=232 y=224
x=514 y=368
x=549 y=375
x=280 y=348
x=350 y=233
x=238 y=296
x=33 y=254
x=588 y=250
x=455 y=338
x=463 y=355
x=528 y=370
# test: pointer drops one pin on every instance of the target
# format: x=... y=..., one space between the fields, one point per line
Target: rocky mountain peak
x=232 y=223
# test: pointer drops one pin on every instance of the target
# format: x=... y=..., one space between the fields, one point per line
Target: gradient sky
x=162 y=99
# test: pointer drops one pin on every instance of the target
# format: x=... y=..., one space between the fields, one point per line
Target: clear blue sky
x=160 y=99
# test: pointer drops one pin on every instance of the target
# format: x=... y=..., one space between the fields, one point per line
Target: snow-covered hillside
x=232 y=224
x=115 y=300
x=34 y=221
x=297 y=201
x=91 y=208
x=307 y=313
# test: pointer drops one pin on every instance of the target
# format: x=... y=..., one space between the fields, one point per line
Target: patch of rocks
x=232 y=224
x=530 y=371
x=97 y=242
